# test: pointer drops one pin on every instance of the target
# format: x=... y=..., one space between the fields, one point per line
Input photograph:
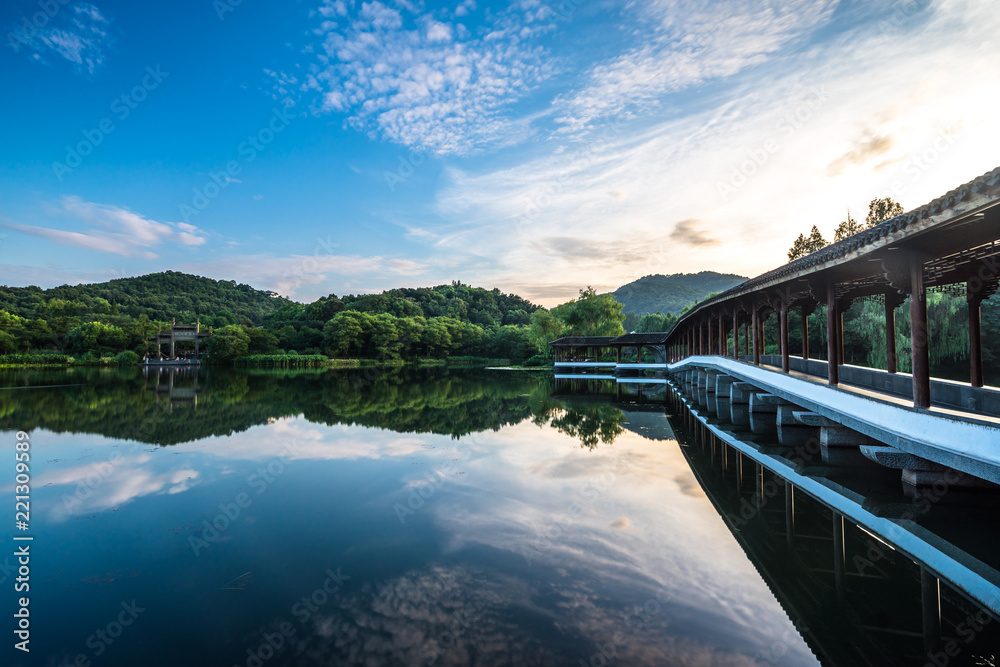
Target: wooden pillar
x=890 y=332
x=746 y=341
x=709 y=348
x=723 y=343
x=701 y=338
x=841 y=307
x=783 y=343
x=638 y=354
x=919 y=353
x=806 y=311
x=618 y=354
x=736 y=334
x=755 y=323
x=832 y=344
x=975 y=300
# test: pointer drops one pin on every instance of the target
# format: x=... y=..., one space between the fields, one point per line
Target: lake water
x=434 y=517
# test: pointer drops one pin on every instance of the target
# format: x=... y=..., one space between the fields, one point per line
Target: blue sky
x=536 y=146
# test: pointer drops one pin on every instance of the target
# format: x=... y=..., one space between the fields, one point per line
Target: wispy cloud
x=424 y=79
x=689 y=232
x=78 y=32
x=684 y=43
x=113 y=229
x=890 y=100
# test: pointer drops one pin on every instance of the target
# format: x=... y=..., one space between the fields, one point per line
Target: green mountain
x=158 y=296
x=670 y=294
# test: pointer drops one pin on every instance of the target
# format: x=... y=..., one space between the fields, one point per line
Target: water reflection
x=403 y=516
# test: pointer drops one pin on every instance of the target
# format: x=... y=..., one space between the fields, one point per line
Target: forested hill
x=462 y=302
x=158 y=296
x=670 y=294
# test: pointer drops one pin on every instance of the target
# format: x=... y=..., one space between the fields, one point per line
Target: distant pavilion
x=180 y=332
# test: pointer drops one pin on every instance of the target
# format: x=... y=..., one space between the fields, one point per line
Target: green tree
x=229 y=342
x=882 y=209
x=346 y=333
x=545 y=328
x=592 y=314
x=848 y=227
x=805 y=245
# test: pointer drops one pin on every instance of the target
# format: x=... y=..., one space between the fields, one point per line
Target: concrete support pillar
x=919 y=354
x=791 y=431
x=839 y=445
x=739 y=402
x=832 y=344
x=763 y=412
x=723 y=386
x=708 y=392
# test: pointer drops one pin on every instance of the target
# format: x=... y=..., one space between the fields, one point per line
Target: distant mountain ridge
x=670 y=294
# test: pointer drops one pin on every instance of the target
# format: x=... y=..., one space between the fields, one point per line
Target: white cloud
x=114 y=229
x=827 y=128
x=413 y=79
x=684 y=43
x=77 y=32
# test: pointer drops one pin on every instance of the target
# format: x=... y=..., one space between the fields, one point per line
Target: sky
x=537 y=146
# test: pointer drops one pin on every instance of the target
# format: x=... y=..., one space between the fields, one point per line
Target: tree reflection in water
x=175 y=405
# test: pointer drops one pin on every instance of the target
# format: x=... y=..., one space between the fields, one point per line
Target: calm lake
x=453 y=517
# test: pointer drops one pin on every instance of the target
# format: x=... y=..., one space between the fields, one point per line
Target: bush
x=537 y=360
x=127 y=358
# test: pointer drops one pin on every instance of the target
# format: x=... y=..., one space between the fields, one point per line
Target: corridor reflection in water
x=375 y=517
